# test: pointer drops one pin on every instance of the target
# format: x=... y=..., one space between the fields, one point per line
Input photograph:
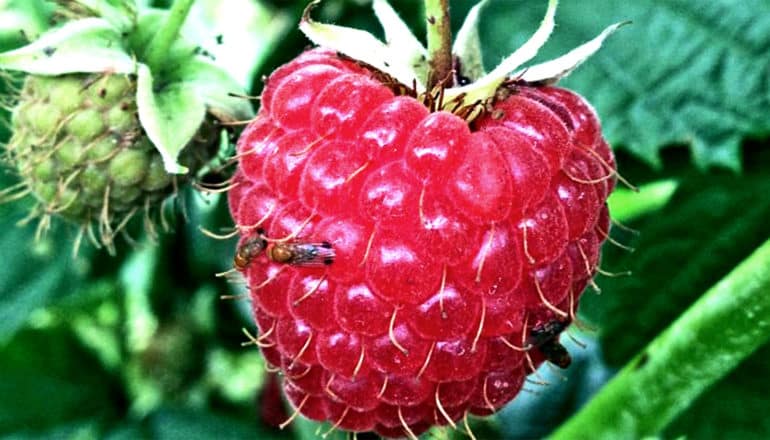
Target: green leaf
x=685 y=72
x=170 y=115
x=711 y=223
x=239 y=34
x=86 y=45
x=78 y=430
x=21 y=20
x=216 y=87
x=184 y=424
x=34 y=274
x=705 y=343
x=731 y=409
x=50 y=379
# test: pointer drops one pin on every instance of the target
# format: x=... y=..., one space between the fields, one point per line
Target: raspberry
x=79 y=147
x=461 y=249
x=115 y=100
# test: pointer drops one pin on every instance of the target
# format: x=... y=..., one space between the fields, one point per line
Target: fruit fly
x=545 y=337
x=248 y=250
x=301 y=254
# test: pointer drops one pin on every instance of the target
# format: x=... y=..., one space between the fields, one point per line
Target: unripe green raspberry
x=79 y=147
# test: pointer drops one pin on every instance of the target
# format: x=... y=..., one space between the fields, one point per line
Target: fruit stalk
x=158 y=48
x=439 y=43
x=727 y=324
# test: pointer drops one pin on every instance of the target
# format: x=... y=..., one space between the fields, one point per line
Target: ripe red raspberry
x=457 y=245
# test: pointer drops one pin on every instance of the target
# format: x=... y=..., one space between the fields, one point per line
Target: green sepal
x=88 y=45
x=217 y=88
x=120 y=13
x=170 y=116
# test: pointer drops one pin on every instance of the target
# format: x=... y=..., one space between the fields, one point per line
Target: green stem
x=158 y=48
x=710 y=339
x=439 y=43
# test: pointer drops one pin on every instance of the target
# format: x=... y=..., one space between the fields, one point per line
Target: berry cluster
x=459 y=249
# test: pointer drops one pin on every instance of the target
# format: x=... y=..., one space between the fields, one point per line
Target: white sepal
x=398 y=62
x=404 y=47
x=557 y=68
x=485 y=87
x=467 y=45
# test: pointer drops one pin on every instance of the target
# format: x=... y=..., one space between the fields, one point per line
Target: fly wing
x=313 y=254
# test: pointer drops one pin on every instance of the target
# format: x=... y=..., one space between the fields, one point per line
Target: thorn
x=486 y=395
x=308 y=147
x=311 y=291
x=337 y=423
x=441 y=293
x=441 y=408
x=487 y=248
x=556 y=371
x=269 y=279
x=259 y=222
x=577 y=342
x=514 y=347
x=213 y=190
x=625 y=273
x=481 y=324
x=393 y=336
x=360 y=361
x=467 y=427
x=420 y=205
x=611 y=169
x=356 y=172
x=427 y=360
x=384 y=386
x=294 y=233
x=216 y=236
x=409 y=432
x=587 y=181
x=255 y=340
x=296 y=412
x=242 y=296
x=526 y=248
x=302 y=350
x=624 y=227
x=226 y=273
x=368 y=247
x=545 y=301
x=607 y=237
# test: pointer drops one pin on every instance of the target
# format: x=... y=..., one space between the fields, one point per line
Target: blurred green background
x=140 y=346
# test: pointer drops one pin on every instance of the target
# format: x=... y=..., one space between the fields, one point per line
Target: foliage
x=139 y=346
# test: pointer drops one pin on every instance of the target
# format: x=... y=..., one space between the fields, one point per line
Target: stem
x=710 y=339
x=158 y=48
x=439 y=43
